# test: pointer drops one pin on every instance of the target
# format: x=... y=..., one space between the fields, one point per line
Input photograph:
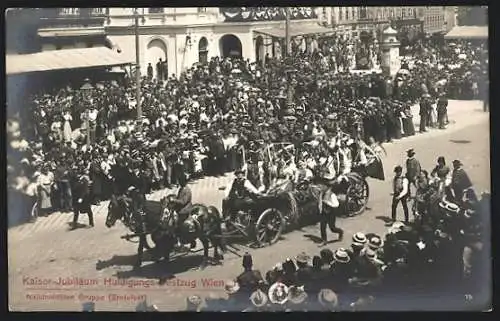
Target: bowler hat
x=410 y=151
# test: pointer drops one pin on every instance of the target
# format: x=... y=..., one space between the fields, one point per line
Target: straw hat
x=278 y=293
x=359 y=239
x=341 y=256
x=328 y=299
x=375 y=242
x=258 y=298
x=194 y=303
x=231 y=287
x=297 y=295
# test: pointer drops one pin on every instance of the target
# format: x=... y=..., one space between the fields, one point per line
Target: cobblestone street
x=47 y=250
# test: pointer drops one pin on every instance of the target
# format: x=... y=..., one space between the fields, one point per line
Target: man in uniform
x=460 y=181
x=182 y=204
x=240 y=195
x=400 y=193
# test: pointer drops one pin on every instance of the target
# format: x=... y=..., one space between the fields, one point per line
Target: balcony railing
x=72 y=17
x=71 y=13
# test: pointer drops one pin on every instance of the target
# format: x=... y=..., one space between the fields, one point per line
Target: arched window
x=362 y=13
x=347 y=14
x=341 y=14
x=203 y=50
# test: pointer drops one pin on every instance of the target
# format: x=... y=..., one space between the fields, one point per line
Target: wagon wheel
x=269 y=227
x=290 y=209
x=357 y=195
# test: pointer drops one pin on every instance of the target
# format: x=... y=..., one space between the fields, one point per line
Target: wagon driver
x=240 y=195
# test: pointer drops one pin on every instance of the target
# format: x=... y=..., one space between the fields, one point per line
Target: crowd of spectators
x=197 y=123
x=436 y=261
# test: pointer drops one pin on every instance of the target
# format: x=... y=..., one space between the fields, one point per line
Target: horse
x=203 y=223
x=141 y=224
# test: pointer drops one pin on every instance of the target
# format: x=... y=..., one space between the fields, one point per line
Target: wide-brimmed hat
x=359 y=239
x=231 y=287
x=194 y=302
x=297 y=294
x=302 y=258
x=457 y=162
x=375 y=242
x=396 y=227
x=327 y=298
x=369 y=253
x=258 y=298
x=410 y=152
x=450 y=207
x=341 y=256
x=278 y=293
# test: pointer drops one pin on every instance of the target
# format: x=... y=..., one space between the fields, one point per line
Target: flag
x=375 y=169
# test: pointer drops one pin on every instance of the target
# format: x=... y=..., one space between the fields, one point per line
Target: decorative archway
x=259 y=49
x=156 y=50
x=230 y=46
x=203 y=50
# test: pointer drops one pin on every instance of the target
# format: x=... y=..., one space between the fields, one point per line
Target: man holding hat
x=400 y=194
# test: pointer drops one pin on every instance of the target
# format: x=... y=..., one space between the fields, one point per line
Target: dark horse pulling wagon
x=160 y=221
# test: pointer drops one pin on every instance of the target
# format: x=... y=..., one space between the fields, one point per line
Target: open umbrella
x=462 y=56
x=404 y=72
x=236 y=71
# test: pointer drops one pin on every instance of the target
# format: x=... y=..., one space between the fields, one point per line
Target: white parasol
x=404 y=72
x=462 y=56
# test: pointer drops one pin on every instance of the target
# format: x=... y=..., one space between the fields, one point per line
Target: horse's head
x=117 y=210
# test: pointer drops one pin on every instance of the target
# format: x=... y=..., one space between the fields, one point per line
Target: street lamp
x=86 y=90
x=137 y=65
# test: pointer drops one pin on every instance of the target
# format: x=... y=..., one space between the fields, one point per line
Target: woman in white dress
x=45 y=182
x=67 y=131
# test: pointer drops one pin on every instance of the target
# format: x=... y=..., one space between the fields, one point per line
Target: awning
x=295 y=31
x=468 y=32
x=64 y=59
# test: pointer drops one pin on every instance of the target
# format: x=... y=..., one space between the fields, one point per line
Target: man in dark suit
x=413 y=167
x=250 y=280
x=460 y=181
x=82 y=201
x=425 y=106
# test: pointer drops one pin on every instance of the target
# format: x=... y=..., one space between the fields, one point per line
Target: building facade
x=179 y=37
x=435 y=19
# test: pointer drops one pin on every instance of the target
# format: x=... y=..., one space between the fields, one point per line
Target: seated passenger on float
x=303 y=174
x=240 y=196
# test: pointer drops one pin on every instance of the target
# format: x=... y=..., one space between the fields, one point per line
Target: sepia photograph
x=248 y=159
